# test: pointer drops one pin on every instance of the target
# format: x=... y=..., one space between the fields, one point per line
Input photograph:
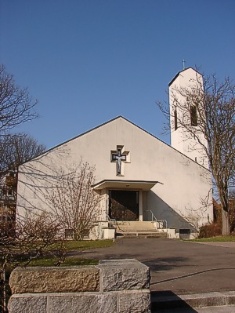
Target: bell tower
x=185 y=124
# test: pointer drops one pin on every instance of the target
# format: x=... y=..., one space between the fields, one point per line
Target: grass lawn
x=70 y=246
x=75 y=261
x=216 y=239
x=87 y=244
x=75 y=246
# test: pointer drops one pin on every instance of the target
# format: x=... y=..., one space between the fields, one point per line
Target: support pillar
x=104 y=205
x=140 y=205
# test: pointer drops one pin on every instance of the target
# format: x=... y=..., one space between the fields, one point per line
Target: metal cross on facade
x=118 y=157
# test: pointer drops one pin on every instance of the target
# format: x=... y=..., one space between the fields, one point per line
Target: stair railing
x=154 y=219
x=109 y=219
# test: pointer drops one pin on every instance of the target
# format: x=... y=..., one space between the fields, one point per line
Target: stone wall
x=117 y=286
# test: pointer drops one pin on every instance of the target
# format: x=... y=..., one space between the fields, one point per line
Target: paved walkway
x=179 y=266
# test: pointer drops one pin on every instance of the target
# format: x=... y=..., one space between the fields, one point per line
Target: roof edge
x=174 y=78
x=77 y=136
x=105 y=123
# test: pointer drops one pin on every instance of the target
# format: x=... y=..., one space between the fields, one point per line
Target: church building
x=143 y=183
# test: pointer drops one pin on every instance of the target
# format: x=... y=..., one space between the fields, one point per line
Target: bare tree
x=16 y=105
x=35 y=237
x=15 y=149
x=209 y=109
x=73 y=201
x=232 y=210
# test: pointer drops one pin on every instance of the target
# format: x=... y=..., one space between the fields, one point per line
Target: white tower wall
x=181 y=138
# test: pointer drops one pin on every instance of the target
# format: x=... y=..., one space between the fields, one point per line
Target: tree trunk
x=225 y=223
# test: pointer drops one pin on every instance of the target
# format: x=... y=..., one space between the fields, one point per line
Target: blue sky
x=89 y=61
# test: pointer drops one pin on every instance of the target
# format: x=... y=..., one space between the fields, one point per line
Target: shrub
x=210 y=230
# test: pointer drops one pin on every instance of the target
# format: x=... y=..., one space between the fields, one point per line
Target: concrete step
x=135 y=226
x=142 y=229
x=210 y=309
x=170 y=302
x=131 y=230
x=141 y=234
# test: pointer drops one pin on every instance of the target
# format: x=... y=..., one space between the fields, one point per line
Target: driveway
x=182 y=267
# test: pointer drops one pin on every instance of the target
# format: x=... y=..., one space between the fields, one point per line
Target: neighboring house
x=138 y=177
x=8 y=187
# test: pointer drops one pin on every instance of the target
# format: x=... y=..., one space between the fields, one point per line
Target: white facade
x=168 y=183
x=135 y=174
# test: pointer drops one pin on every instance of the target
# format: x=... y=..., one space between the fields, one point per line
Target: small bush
x=210 y=230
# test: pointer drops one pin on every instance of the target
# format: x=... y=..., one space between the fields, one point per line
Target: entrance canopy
x=125 y=184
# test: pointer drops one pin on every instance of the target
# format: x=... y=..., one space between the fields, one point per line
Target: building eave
x=125 y=184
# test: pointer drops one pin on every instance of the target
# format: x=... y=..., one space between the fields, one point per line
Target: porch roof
x=125 y=184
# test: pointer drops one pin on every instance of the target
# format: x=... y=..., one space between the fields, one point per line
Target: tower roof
x=174 y=78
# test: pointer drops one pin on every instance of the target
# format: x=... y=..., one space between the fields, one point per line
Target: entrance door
x=124 y=205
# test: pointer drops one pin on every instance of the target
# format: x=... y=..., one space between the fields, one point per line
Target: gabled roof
x=101 y=125
x=110 y=121
x=180 y=73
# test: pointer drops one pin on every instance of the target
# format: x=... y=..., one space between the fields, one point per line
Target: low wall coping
x=117 y=285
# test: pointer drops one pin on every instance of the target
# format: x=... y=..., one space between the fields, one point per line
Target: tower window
x=175 y=119
x=193 y=115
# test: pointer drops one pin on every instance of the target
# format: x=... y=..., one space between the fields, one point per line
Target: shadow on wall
x=163 y=211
